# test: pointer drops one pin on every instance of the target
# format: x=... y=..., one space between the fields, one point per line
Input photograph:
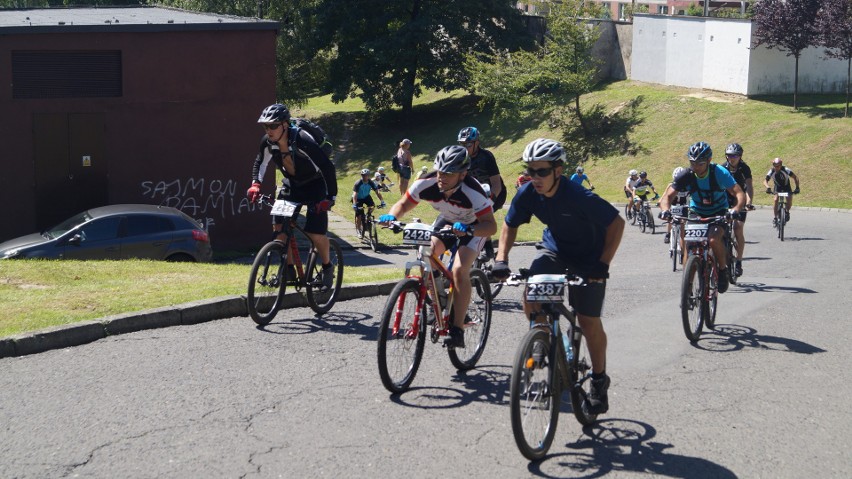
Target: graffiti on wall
x=199 y=197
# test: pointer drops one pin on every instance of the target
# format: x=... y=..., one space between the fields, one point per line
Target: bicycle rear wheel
x=708 y=306
x=400 y=347
x=486 y=267
x=691 y=300
x=649 y=217
x=581 y=365
x=267 y=282
x=475 y=331
x=319 y=298
x=374 y=235
x=535 y=396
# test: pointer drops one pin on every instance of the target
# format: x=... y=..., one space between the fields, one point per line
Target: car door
x=96 y=239
x=146 y=236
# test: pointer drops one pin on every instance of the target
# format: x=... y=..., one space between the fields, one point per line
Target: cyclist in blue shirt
x=708 y=185
x=582 y=235
x=579 y=177
x=361 y=196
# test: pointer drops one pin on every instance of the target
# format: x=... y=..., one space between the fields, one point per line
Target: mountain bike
x=780 y=220
x=645 y=218
x=406 y=322
x=675 y=243
x=699 y=293
x=270 y=273
x=486 y=264
x=629 y=214
x=545 y=363
x=367 y=229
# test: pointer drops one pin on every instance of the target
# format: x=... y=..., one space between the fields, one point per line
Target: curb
x=194 y=312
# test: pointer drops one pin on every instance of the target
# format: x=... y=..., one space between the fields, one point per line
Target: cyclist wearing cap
x=742 y=175
x=484 y=169
x=639 y=191
x=361 y=196
x=707 y=184
x=632 y=177
x=309 y=177
x=781 y=175
x=579 y=177
x=582 y=235
x=461 y=202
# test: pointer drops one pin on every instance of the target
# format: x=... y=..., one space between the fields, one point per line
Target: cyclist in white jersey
x=462 y=203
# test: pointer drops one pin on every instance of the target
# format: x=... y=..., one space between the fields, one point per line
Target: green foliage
x=695 y=10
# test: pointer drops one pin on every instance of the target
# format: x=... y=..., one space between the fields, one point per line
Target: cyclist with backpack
x=742 y=174
x=582 y=235
x=681 y=199
x=361 y=196
x=708 y=185
x=484 y=169
x=309 y=178
x=781 y=175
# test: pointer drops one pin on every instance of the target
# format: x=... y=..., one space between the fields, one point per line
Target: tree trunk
x=580 y=117
x=411 y=74
x=796 y=84
x=848 y=78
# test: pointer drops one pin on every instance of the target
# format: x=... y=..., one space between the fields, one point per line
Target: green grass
x=37 y=294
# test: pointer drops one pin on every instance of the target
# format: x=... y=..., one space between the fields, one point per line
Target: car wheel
x=181 y=258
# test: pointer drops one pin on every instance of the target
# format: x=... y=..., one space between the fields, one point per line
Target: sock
x=326 y=266
x=599 y=375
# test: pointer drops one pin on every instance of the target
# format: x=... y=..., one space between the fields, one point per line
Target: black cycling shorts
x=316 y=223
x=586 y=300
x=365 y=201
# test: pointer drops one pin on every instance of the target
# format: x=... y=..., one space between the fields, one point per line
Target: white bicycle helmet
x=580 y=170
x=452 y=159
x=380 y=169
x=543 y=149
x=633 y=173
x=365 y=171
x=677 y=172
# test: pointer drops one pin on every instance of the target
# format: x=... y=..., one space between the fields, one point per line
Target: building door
x=70 y=165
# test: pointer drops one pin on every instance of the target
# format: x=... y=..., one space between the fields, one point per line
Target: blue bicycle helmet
x=469 y=134
x=699 y=152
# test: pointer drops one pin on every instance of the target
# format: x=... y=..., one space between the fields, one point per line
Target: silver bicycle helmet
x=452 y=159
x=734 y=149
x=633 y=173
x=580 y=170
x=543 y=149
x=365 y=171
x=677 y=172
x=276 y=113
x=380 y=169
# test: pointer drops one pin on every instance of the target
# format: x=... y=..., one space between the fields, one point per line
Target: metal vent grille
x=66 y=74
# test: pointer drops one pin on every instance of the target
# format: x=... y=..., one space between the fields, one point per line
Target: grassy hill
x=649 y=128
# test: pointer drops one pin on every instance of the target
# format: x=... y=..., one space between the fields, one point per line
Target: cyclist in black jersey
x=639 y=191
x=484 y=169
x=742 y=174
x=309 y=177
x=781 y=176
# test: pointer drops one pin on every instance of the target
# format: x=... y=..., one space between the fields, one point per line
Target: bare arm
x=486 y=225
x=496 y=186
x=667 y=198
x=611 y=240
x=507 y=240
x=741 y=197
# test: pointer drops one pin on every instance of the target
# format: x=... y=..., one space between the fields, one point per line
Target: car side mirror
x=76 y=239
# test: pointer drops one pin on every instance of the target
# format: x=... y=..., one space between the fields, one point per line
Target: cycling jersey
x=640 y=187
x=482 y=167
x=362 y=189
x=781 y=177
x=741 y=173
x=379 y=177
x=579 y=179
x=681 y=199
x=465 y=205
x=576 y=221
x=707 y=197
x=314 y=175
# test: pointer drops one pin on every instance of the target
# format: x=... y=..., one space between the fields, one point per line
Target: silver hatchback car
x=117 y=232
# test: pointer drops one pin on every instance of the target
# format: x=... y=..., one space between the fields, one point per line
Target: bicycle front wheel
x=320 y=298
x=400 y=347
x=267 y=282
x=374 y=237
x=692 y=296
x=535 y=395
x=711 y=295
x=649 y=217
x=580 y=367
x=477 y=323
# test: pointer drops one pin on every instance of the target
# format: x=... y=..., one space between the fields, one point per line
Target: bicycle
x=367 y=229
x=699 y=293
x=629 y=214
x=545 y=363
x=780 y=220
x=385 y=187
x=675 y=243
x=270 y=274
x=645 y=218
x=403 y=327
x=486 y=264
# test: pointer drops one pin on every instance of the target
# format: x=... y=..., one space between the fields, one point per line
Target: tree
x=834 y=23
x=386 y=52
x=543 y=81
x=788 y=26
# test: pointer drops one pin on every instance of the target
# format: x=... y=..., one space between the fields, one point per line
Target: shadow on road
x=344 y=322
x=487 y=383
x=742 y=287
x=623 y=445
x=732 y=337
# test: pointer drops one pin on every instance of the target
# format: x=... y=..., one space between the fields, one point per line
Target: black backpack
x=316 y=132
x=395 y=164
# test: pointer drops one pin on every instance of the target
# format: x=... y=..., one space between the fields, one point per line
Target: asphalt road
x=766 y=395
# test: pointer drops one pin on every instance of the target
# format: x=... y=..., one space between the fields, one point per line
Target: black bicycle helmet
x=469 y=134
x=452 y=159
x=276 y=113
x=734 y=149
x=643 y=174
x=700 y=152
x=543 y=149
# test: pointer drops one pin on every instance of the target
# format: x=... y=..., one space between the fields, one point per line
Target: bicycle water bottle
x=569 y=353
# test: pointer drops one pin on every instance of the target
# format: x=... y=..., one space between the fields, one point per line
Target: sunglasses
x=468 y=144
x=542 y=172
x=733 y=156
x=273 y=126
x=698 y=163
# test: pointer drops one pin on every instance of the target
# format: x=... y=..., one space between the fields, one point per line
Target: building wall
x=182 y=134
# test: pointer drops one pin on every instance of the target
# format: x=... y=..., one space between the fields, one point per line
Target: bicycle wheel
x=732 y=258
x=319 y=298
x=359 y=229
x=486 y=267
x=400 y=351
x=782 y=222
x=691 y=299
x=627 y=211
x=641 y=220
x=476 y=330
x=267 y=282
x=708 y=306
x=535 y=396
x=674 y=246
x=649 y=217
x=580 y=366
x=374 y=236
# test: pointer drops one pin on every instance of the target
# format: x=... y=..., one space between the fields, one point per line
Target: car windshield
x=66 y=225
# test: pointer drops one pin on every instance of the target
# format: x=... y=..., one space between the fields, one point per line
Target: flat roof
x=122 y=19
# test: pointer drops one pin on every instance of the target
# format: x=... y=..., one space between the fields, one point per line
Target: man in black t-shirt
x=484 y=169
x=742 y=174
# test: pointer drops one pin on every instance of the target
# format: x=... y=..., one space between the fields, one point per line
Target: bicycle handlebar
x=397 y=227
x=523 y=274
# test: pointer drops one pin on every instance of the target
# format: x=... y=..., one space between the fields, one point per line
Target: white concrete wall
x=716 y=54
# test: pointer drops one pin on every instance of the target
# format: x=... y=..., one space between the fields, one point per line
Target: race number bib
x=695 y=232
x=545 y=288
x=283 y=208
x=417 y=234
